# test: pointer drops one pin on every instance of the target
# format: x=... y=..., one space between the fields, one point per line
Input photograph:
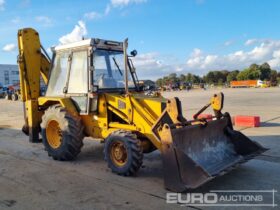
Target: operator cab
x=90 y=66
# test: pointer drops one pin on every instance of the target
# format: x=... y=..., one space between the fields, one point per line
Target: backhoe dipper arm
x=32 y=62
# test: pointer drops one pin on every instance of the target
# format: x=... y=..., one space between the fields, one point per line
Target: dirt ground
x=29 y=179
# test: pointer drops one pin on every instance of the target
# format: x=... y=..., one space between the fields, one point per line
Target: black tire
x=134 y=152
x=71 y=133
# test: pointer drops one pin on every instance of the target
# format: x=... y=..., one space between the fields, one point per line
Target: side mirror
x=133 y=53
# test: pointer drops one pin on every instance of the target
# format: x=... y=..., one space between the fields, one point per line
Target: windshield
x=109 y=70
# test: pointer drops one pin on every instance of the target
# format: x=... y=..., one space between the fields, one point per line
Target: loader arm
x=193 y=151
x=32 y=63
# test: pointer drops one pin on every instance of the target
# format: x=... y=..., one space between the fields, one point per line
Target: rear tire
x=129 y=160
x=62 y=133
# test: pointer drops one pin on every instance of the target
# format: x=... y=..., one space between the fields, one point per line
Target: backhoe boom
x=32 y=62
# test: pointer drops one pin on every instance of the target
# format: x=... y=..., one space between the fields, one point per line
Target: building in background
x=9 y=74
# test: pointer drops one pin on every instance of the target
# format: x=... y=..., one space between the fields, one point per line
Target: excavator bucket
x=194 y=154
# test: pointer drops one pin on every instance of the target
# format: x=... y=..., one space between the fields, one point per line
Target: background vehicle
x=2 y=92
x=247 y=83
x=11 y=92
x=93 y=90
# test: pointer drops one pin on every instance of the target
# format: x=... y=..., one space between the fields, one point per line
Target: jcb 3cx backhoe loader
x=92 y=90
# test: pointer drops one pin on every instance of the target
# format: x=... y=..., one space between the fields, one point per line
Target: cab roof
x=93 y=42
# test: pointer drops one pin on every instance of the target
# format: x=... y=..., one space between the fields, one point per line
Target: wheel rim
x=54 y=134
x=118 y=153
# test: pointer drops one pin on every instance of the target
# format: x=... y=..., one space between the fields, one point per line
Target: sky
x=180 y=36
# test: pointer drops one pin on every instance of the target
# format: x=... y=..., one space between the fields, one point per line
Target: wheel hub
x=54 y=134
x=119 y=153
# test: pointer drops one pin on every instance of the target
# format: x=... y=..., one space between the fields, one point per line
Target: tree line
x=253 y=72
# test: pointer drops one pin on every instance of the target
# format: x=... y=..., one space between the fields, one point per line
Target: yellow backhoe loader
x=93 y=90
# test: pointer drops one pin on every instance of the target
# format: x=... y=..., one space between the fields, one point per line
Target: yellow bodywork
x=138 y=112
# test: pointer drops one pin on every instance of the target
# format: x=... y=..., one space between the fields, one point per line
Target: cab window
x=109 y=70
x=78 y=82
x=58 y=76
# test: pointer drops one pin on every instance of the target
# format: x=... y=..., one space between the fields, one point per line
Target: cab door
x=77 y=87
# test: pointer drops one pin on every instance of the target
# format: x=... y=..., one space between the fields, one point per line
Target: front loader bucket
x=195 y=154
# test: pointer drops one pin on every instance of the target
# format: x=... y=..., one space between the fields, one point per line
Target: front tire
x=62 y=133
x=123 y=153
